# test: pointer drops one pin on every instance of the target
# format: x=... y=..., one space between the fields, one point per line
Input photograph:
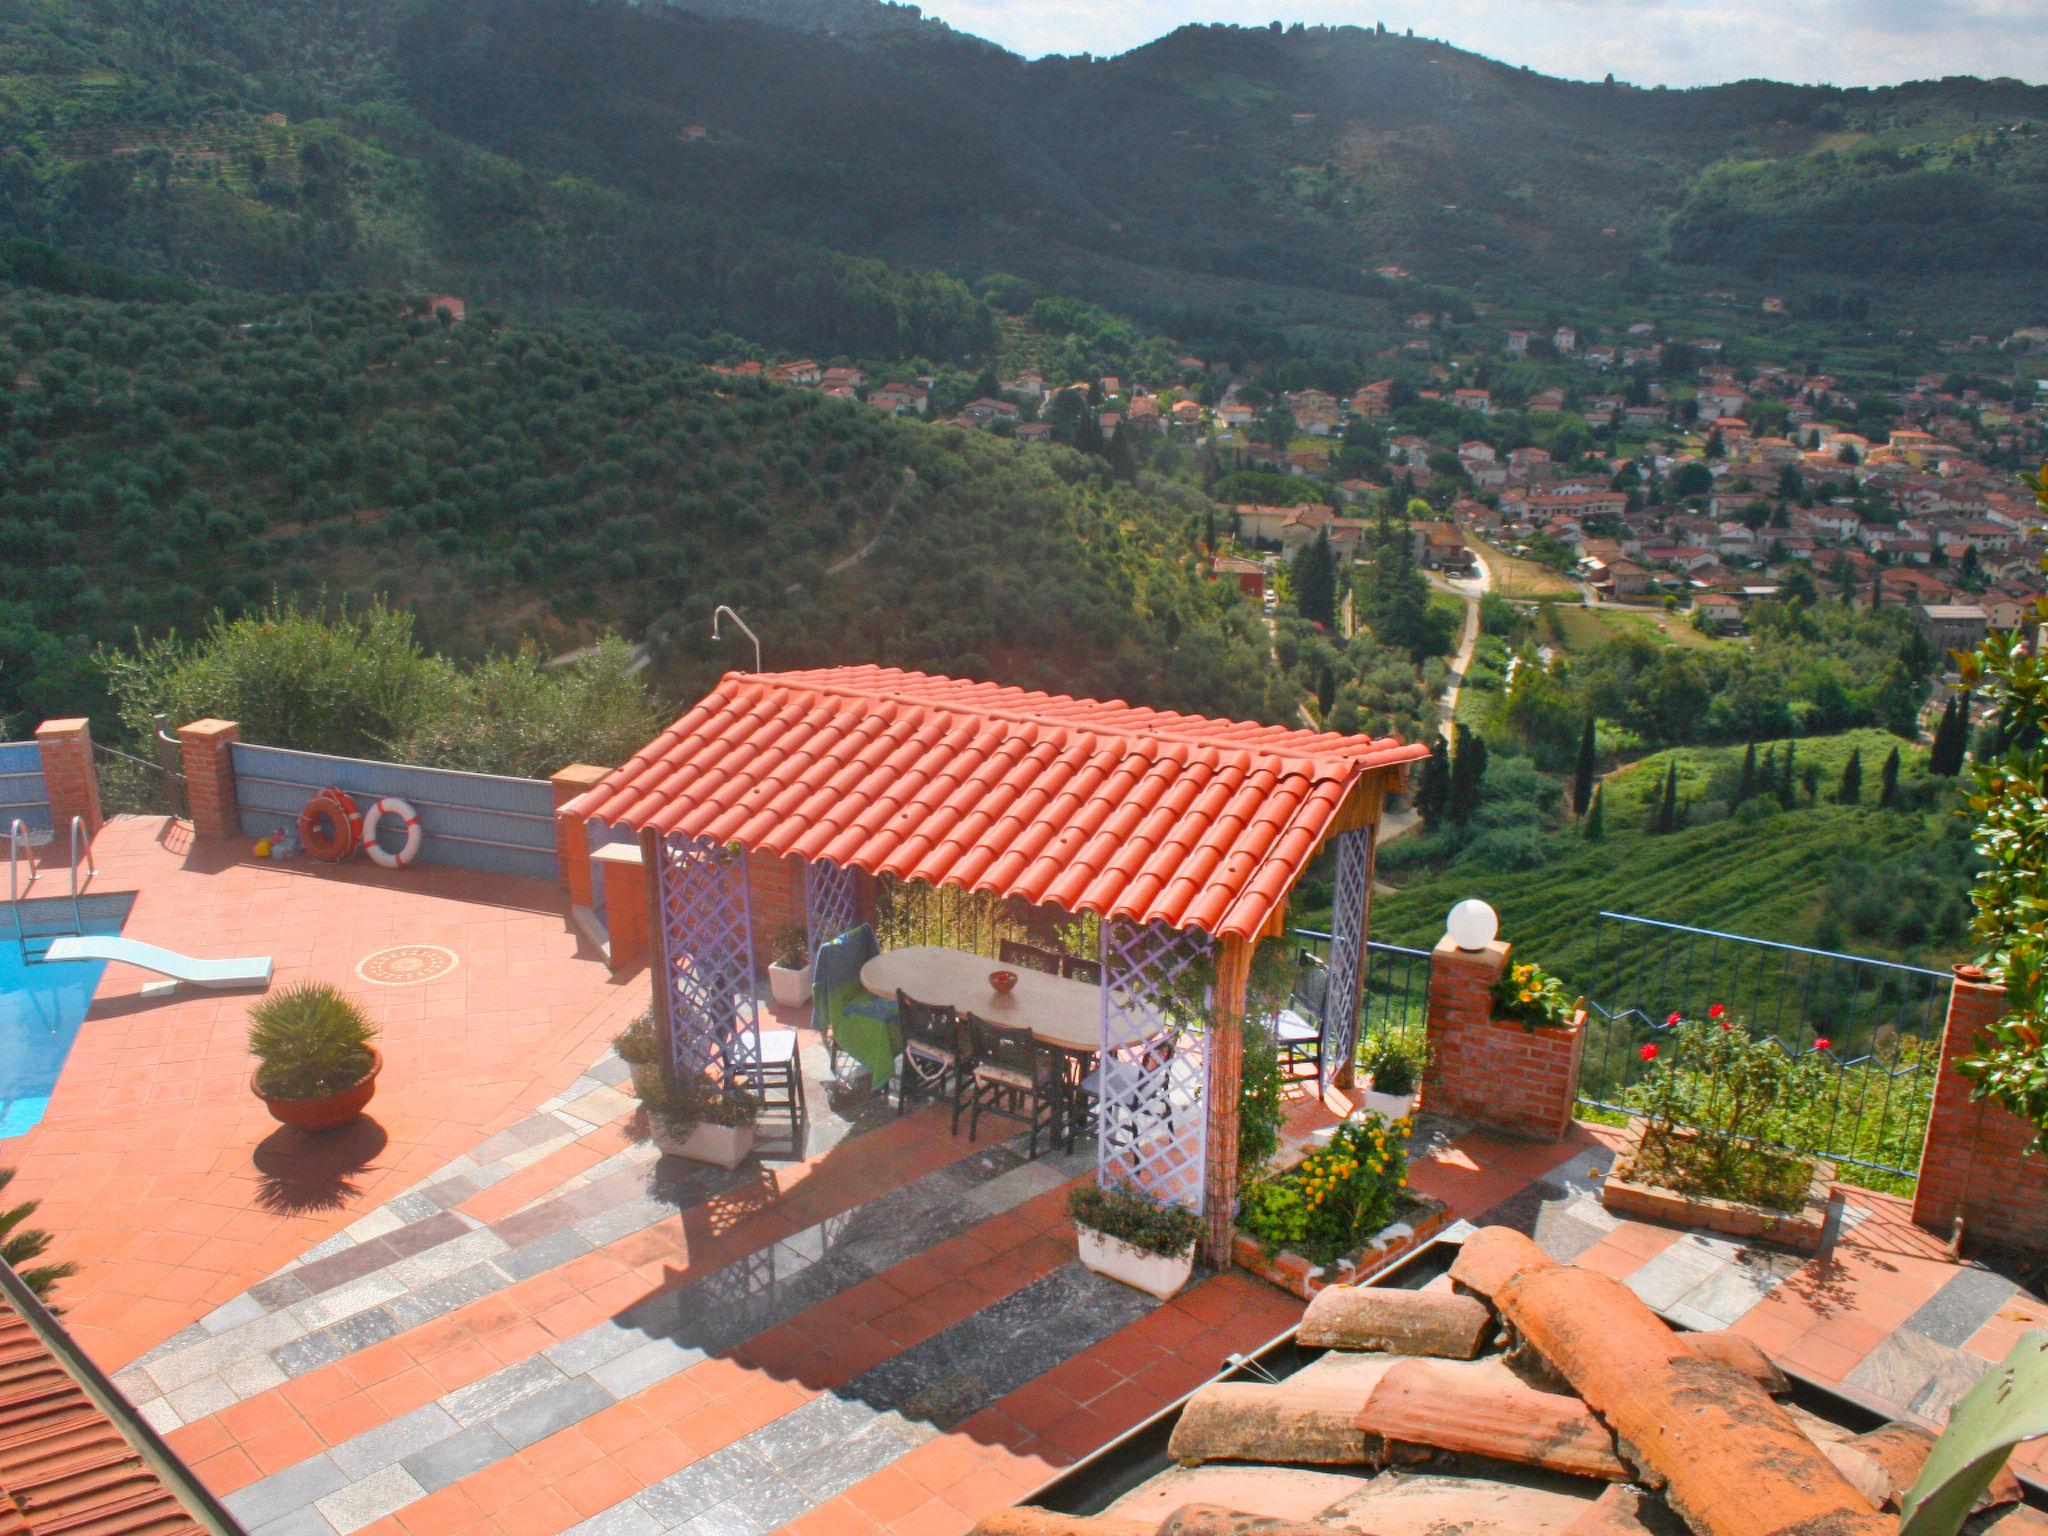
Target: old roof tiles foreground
x=1529 y=1398
x=1093 y=806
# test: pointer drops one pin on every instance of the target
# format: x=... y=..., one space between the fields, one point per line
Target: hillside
x=162 y=459
x=672 y=172
x=1888 y=882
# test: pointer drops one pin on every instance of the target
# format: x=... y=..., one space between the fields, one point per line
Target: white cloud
x=1648 y=42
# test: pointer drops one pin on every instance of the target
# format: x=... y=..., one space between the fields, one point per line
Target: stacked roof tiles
x=1091 y=806
x=1595 y=1419
x=65 y=1467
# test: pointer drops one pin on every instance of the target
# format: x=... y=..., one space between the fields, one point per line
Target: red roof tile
x=1092 y=806
x=66 y=1464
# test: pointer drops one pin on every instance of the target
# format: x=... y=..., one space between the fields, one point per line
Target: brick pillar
x=1494 y=1071
x=1975 y=1164
x=210 y=778
x=625 y=903
x=1226 y=1080
x=572 y=835
x=69 y=776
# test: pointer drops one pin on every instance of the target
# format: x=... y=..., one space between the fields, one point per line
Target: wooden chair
x=777 y=1079
x=1032 y=957
x=933 y=1049
x=1086 y=1103
x=1298 y=1028
x=1081 y=968
x=1015 y=1077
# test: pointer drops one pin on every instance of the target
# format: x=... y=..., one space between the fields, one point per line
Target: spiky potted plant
x=316 y=1067
x=703 y=1123
x=1133 y=1239
x=789 y=969
x=639 y=1047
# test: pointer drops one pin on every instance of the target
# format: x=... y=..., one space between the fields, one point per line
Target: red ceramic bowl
x=1002 y=981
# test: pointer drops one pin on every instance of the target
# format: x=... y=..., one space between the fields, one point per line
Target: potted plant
x=1394 y=1070
x=1135 y=1240
x=1530 y=996
x=640 y=1049
x=703 y=1123
x=315 y=1065
x=789 y=971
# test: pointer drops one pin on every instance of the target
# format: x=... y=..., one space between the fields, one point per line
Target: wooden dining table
x=1064 y=1014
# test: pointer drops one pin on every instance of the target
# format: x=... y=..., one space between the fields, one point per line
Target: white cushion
x=1291 y=1028
x=1010 y=1077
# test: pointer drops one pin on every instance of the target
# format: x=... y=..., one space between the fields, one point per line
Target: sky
x=1645 y=42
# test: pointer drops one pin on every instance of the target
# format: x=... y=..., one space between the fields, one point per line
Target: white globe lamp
x=1472 y=924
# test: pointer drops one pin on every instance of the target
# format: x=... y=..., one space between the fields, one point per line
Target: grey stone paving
x=1962 y=1306
x=476 y=1425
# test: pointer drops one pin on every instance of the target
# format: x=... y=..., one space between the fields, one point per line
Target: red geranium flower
x=1726 y=1025
x=1649 y=1053
x=1675 y=1017
x=1716 y=1011
x=1822 y=1043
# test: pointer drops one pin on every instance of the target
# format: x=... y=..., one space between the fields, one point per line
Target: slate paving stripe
x=475 y=1425
x=1963 y=1305
x=815 y=1452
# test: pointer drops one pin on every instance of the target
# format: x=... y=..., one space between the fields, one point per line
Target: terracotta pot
x=329 y=1112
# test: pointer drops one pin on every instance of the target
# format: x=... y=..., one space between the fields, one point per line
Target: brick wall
x=1974 y=1165
x=775 y=895
x=210 y=778
x=69 y=777
x=1499 y=1074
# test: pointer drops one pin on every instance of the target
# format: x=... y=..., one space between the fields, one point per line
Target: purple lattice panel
x=1155 y=1067
x=708 y=947
x=1350 y=906
x=831 y=906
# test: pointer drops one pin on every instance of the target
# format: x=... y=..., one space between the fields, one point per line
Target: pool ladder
x=18 y=839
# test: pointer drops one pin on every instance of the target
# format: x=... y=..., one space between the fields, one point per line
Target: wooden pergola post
x=1226 y=1077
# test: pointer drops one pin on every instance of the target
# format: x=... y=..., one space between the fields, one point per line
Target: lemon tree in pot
x=640 y=1049
x=789 y=971
x=316 y=1067
x=703 y=1123
x=1129 y=1237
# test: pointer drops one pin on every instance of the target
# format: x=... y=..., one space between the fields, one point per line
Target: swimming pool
x=42 y=1004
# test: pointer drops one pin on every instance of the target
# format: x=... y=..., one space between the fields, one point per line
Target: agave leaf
x=2008 y=1405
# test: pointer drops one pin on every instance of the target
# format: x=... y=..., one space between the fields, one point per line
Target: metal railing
x=1393 y=1000
x=17 y=839
x=1882 y=1021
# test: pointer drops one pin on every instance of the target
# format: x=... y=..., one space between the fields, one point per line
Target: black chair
x=1086 y=1094
x=934 y=1046
x=1081 y=968
x=1031 y=957
x=1298 y=1029
x=1013 y=1076
x=777 y=1079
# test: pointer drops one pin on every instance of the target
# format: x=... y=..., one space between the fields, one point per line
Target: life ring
x=382 y=857
x=330 y=826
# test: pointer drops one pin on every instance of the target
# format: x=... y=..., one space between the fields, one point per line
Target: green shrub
x=640 y=1044
x=1259 y=1107
x=309 y=1040
x=682 y=1107
x=1130 y=1217
x=1337 y=1196
x=1396 y=1060
x=1533 y=998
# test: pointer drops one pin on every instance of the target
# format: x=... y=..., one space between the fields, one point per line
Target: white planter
x=1155 y=1274
x=725 y=1146
x=1394 y=1106
x=790 y=987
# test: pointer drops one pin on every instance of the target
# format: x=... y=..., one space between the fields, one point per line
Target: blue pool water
x=41 y=1006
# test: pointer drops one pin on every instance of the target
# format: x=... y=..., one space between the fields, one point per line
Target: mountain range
x=843 y=175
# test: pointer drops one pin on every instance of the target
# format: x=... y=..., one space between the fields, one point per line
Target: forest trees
x=1315 y=581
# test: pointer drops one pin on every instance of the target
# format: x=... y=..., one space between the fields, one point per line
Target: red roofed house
x=783 y=798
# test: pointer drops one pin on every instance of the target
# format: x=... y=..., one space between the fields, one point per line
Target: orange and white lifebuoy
x=330 y=826
x=381 y=856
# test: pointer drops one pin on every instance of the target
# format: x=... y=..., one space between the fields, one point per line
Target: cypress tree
x=1850 y=790
x=1433 y=789
x=1315 y=581
x=1582 y=775
x=1888 y=781
x=1468 y=775
x=1787 y=790
x=1946 y=756
x=1596 y=819
x=1667 y=811
x=1746 y=786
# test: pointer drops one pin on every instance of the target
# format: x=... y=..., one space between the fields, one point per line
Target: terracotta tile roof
x=1092 y=806
x=67 y=1466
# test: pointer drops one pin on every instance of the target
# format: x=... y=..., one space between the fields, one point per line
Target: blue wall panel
x=22 y=791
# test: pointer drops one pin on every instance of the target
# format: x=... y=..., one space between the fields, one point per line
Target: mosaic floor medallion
x=405 y=964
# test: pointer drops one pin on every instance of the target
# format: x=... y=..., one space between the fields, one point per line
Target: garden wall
x=1494 y=1072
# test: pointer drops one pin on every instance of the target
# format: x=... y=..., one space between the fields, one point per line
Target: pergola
x=1184 y=835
